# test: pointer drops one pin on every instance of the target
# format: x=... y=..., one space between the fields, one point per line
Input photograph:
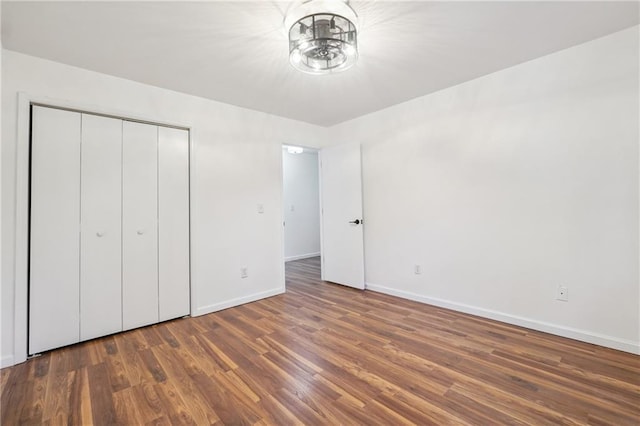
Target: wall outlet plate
x=563 y=293
x=244 y=272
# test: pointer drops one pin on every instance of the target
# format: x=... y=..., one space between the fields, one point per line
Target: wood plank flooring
x=326 y=354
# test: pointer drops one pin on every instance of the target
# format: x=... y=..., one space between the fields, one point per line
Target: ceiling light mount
x=323 y=36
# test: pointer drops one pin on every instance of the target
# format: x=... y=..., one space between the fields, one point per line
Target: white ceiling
x=236 y=52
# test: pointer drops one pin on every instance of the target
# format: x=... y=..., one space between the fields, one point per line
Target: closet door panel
x=101 y=241
x=54 y=229
x=139 y=225
x=173 y=229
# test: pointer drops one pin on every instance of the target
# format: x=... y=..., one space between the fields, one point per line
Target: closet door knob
x=140 y=232
x=99 y=233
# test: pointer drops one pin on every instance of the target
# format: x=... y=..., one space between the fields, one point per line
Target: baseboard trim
x=203 y=310
x=6 y=361
x=558 y=330
x=301 y=256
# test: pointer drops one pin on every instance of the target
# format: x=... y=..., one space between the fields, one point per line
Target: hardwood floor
x=326 y=354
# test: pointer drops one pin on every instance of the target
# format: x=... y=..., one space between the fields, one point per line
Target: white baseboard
x=203 y=310
x=301 y=256
x=559 y=330
x=6 y=361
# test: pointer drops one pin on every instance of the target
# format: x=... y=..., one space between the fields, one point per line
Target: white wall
x=237 y=165
x=504 y=187
x=301 y=205
x=501 y=188
x=3 y=357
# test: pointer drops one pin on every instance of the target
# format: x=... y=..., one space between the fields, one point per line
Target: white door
x=139 y=224
x=173 y=222
x=54 y=287
x=101 y=241
x=342 y=228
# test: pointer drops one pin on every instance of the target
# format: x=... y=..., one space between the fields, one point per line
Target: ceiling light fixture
x=294 y=149
x=323 y=36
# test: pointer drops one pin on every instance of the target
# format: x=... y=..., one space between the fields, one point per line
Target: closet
x=109 y=226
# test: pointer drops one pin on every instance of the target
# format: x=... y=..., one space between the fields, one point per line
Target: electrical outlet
x=563 y=293
x=244 y=272
x=417 y=269
x=260 y=208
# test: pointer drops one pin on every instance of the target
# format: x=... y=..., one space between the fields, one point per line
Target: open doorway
x=301 y=198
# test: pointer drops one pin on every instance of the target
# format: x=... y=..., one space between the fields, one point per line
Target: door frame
x=22 y=199
x=317 y=151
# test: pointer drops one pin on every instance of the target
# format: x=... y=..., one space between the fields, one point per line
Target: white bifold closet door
x=101 y=241
x=139 y=224
x=54 y=247
x=109 y=235
x=173 y=216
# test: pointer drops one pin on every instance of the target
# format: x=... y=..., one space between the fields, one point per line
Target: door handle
x=356 y=222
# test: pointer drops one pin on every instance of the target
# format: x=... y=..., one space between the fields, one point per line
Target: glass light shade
x=323 y=43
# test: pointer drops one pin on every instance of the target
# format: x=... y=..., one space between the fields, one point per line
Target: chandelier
x=323 y=36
